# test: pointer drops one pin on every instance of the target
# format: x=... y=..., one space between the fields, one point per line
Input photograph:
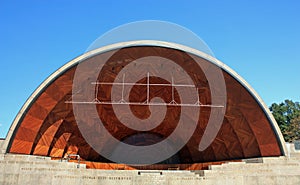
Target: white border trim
x=89 y=54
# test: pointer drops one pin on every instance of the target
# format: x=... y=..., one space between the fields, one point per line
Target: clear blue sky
x=258 y=39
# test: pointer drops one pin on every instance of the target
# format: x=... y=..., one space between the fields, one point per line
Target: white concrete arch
x=187 y=49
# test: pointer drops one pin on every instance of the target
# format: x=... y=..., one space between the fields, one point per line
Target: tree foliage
x=287 y=115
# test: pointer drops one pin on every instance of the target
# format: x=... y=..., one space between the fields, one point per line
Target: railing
x=173 y=168
x=69 y=156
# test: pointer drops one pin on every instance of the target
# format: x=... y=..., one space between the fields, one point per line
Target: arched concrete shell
x=46 y=125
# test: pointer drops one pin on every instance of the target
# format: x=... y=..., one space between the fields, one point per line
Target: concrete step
x=254 y=166
x=19 y=157
x=251 y=171
x=252 y=180
x=271 y=160
x=266 y=172
x=43 y=164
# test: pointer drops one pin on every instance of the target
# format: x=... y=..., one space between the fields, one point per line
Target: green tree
x=287 y=115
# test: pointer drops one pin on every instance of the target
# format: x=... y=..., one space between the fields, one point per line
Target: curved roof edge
x=89 y=54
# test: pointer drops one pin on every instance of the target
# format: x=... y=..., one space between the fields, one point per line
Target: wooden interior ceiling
x=48 y=126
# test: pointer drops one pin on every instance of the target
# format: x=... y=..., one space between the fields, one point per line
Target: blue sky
x=258 y=39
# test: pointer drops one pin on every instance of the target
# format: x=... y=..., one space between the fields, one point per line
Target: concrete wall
x=2 y=151
x=23 y=169
x=292 y=151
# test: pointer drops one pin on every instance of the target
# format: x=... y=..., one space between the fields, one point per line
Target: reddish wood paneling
x=49 y=128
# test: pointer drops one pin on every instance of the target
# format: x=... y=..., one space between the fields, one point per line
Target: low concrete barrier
x=27 y=169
